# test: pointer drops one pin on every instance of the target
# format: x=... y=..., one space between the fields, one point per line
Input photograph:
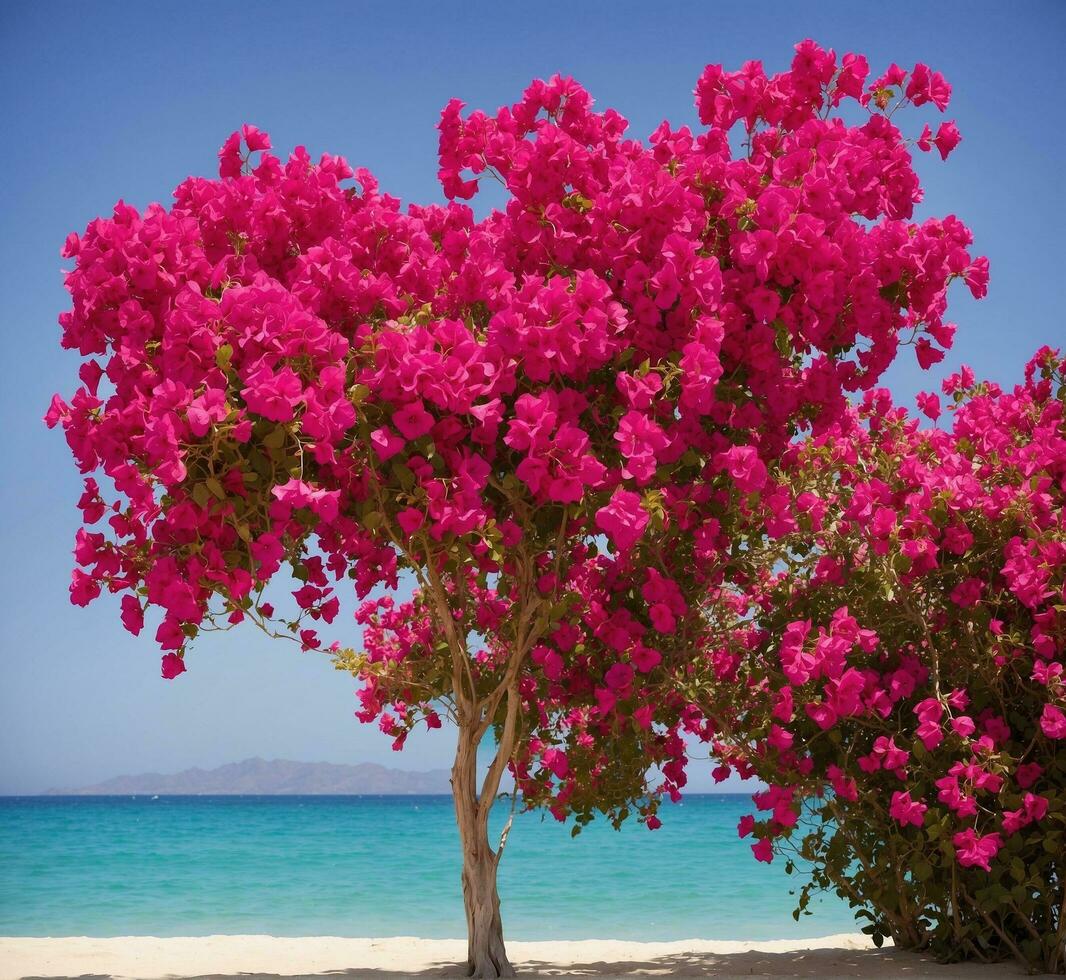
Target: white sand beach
x=273 y=958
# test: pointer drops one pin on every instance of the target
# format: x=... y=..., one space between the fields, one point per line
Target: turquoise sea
x=378 y=866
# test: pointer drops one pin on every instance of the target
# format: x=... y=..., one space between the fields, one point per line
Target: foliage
x=905 y=668
x=557 y=417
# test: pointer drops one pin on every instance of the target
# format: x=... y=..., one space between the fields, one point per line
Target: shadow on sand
x=826 y=964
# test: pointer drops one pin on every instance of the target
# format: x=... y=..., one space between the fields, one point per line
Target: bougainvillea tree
x=904 y=659
x=549 y=417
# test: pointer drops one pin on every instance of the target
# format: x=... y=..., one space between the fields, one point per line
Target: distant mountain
x=279 y=777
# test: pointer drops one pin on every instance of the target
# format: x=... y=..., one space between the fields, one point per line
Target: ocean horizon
x=378 y=866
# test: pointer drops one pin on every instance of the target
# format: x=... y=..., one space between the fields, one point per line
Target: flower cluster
x=905 y=655
x=554 y=417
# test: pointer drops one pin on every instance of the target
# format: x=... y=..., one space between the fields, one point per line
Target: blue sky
x=102 y=101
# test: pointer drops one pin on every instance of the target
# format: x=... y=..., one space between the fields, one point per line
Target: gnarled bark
x=486 y=953
x=476 y=714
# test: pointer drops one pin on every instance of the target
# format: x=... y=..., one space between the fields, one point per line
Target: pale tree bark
x=476 y=714
x=486 y=953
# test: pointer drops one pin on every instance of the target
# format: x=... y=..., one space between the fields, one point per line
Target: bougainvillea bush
x=905 y=662
x=553 y=417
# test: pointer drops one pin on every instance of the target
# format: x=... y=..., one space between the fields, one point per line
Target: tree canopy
x=562 y=419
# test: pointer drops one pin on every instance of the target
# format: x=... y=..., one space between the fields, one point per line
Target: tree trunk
x=486 y=954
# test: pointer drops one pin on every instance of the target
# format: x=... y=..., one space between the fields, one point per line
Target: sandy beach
x=272 y=958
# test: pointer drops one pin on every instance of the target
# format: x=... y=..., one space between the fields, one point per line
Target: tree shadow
x=823 y=963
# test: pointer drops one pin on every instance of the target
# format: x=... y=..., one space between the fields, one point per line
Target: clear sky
x=104 y=100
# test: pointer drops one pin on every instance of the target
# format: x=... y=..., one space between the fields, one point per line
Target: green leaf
x=403 y=473
x=275 y=439
x=260 y=464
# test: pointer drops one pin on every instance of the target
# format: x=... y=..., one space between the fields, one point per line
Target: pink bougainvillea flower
x=386 y=443
x=744 y=466
x=973 y=850
x=929 y=405
x=906 y=811
x=274 y=396
x=763 y=850
x=644 y=658
x=1053 y=721
x=619 y=677
x=413 y=420
x=623 y=519
x=172 y=666
x=947 y=138
x=132 y=614
x=410 y=520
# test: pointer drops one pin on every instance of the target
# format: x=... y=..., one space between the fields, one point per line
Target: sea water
x=380 y=866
